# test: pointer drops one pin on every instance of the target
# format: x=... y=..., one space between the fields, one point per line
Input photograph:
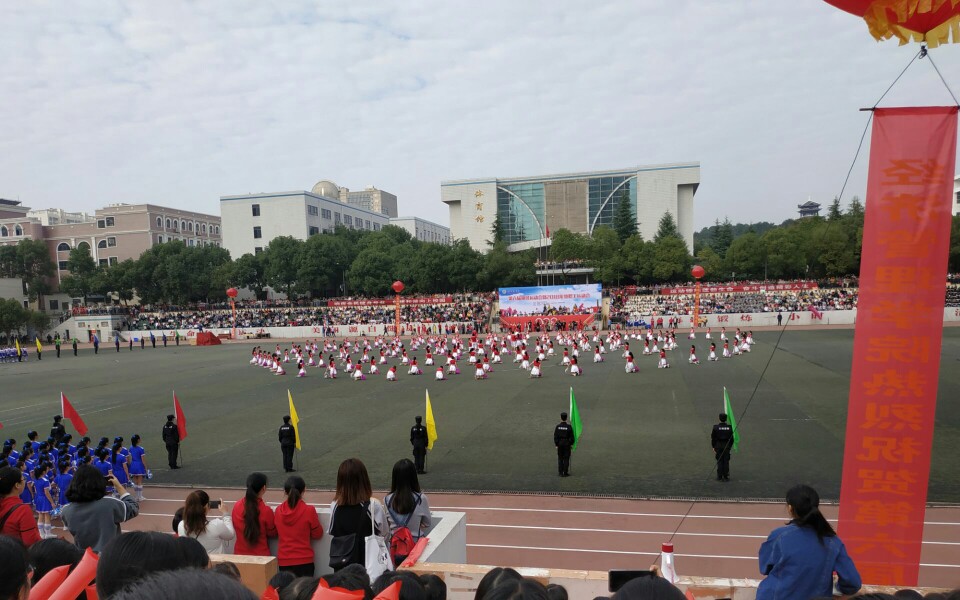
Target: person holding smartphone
x=93 y=517
x=213 y=534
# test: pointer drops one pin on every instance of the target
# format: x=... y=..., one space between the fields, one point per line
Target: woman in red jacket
x=253 y=520
x=297 y=525
x=15 y=516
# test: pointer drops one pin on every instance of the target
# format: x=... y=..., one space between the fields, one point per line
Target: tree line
x=345 y=262
x=352 y=262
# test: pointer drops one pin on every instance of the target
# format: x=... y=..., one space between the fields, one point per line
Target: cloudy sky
x=179 y=103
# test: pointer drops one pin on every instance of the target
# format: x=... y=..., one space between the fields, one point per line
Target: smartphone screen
x=214 y=504
x=618 y=578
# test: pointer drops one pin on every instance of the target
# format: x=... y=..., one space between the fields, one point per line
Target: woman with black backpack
x=408 y=510
x=354 y=515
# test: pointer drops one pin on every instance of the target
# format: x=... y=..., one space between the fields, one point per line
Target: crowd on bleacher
x=740 y=302
x=463 y=309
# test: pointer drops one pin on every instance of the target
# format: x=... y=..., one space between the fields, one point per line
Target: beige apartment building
x=113 y=234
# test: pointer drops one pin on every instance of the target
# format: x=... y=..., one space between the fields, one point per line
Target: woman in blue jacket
x=800 y=558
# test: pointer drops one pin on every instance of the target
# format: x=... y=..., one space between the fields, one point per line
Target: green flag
x=728 y=410
x=575 y=420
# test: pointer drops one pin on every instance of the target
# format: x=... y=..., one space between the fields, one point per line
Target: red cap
x=666 y=547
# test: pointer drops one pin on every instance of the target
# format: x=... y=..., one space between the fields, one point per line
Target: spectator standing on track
x=213 y=534
x=406 y=505
x=721 y=439
x=171 y=439
x=297 y=526
x=419 y=440
x=92 y=517
x=253 y=519
x=288 y=443
x=563 y=439
x=799 y=559
x=16 y=518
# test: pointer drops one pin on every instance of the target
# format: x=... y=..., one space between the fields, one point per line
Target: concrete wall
x=423 y=230
x=473 y=209
x=667 y=189
x=447 y=540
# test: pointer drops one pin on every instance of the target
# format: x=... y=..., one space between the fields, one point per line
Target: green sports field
x=645 y=434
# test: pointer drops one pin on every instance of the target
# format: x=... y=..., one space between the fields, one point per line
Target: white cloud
x=179 y=103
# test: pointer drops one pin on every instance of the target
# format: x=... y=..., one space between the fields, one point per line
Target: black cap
x=563 y=416
x=57 y=418
x=169 y=417
x=286 y=418
x=418 y=418
x=723 y=417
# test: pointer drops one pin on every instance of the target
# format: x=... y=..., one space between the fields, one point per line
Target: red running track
x=715 y=540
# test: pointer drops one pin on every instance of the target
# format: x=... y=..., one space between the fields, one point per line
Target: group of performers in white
x=365 y=357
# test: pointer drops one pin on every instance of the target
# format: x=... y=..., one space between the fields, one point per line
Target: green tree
x=465 y=264
x=785 y=259
x=746 y=255
x=638 y=259
x=35 y=267
x=624 y=221
x=712 y=264
x=835 y=213
x=281 y=261
x=671 y=259
x=13 y=316
x=83 y=274
x=322 y=262
x=723 y=237
x=497 y=233
x=667 y=228
x=565 y=245
x=248 y=272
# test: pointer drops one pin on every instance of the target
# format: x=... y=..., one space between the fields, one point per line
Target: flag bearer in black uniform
x=563 y=440
x=721 y=438
x=418 y=437
x=288 y=443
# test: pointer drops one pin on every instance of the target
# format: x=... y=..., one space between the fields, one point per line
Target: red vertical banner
x=896 y=348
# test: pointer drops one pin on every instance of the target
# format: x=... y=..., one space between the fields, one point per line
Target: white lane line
x=584 y=512
x=647 y=553
x=667 y=533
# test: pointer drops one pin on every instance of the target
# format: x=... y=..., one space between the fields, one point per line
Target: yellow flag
x=431 y=424
x=17 y=343
x=294 y=419
x=39 y=347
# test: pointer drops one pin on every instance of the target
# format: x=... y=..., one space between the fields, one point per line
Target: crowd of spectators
x=735 y=302
x=463 y=308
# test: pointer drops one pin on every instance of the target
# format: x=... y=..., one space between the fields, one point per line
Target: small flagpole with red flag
x=69 y=412
x=181 y=419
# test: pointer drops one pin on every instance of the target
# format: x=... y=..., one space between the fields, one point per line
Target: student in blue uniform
x=138 y=468
x=63 y=480
x=118 y=462
x=26 y=496
x=43 y=500
x=34 y=440
x=102 y=464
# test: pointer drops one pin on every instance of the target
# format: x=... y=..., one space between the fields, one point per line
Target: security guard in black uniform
x=721 y=438
x=171 y=438
x=419 y=439
x=288 y=443
x=58 y=430
x=563 y=440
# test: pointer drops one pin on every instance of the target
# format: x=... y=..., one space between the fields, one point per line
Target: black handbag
x=343 y=548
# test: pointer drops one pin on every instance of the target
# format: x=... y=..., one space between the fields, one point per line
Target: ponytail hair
x=805 y=503
x=293 y=487
x=195 y=513
x=251 y=507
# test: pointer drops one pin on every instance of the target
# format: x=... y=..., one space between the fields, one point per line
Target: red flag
x=69 y=412
x=548 y=231
x=181 y=420
x=893 y=395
